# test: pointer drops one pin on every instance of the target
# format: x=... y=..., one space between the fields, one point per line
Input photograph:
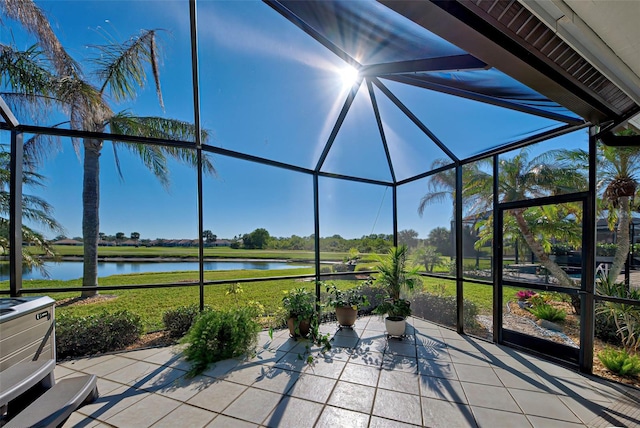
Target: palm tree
x=46 y=76
x=618 y=171
x=524 y=178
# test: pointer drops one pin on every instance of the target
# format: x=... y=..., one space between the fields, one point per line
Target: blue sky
x=267 y=89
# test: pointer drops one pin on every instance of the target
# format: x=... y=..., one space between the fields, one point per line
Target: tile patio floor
x=433 y=378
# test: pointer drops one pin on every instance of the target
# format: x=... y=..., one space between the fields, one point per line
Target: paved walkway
x=434 y=378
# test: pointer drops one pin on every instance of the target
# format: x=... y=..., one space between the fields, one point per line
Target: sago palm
x=46 y=76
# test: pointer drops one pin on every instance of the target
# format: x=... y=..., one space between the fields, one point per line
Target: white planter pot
x=395 y=326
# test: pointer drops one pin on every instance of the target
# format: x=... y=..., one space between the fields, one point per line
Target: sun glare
x=349 y=75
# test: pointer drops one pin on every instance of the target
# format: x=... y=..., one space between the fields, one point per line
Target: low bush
x=548 y=312
x=325 y=269
x=218 y=335
x=105 y=332
x=442 y=309
x=341 y=267
x=179 y=320
x=620 y=362
x=606 y=329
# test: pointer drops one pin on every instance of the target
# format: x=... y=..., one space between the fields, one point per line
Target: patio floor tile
x=222 y=421
x=353 y=397
x=477 y=374
x=145 y=413
x=186 y=416
x=254 y=405
x=493 y=397
x=314 y=388
x=364 y=375
x=442 y=389
x=378 y=422
x=492 y=418
x=398 y=406
x=336 y=417
x=433 y=378
x=540 y=404
x=293 y=412
x=277 y=380
x=437 y=368
x=217 y=396
x=445 y=414
x=400 y=381
x=540 y=422
x=107 y=366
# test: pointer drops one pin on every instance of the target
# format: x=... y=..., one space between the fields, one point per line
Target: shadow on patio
x=434 y=378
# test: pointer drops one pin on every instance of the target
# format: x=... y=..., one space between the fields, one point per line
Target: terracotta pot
x=346 y=316
x=395 y=326
x=304 y=327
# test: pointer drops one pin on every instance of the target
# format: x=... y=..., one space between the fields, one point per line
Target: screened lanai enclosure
x=472 y=127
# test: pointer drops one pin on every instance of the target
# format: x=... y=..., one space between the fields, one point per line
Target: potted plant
x=300 y=307
x=395 y=278
x=345 y=303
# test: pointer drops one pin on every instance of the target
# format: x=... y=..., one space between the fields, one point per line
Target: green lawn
x=150 y=304
x=192 y=252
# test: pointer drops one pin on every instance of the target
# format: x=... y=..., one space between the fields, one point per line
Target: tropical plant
x=626 y=316
x=428 y=256
x=618 y=178
x=219 y=335
x=35 y=210
x=395 y=278
x=524 y=295
x=46 y=76
x=548 y=312
x=351 y=297
x=620 y=362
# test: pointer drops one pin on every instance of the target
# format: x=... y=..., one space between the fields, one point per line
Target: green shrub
x=219 y=335
x=606 y=329
x=325 y=269
x=340 y=267
x=442 y=309
x=105 y=332
x=178 y=321
x=620 y=362
x=547 y=312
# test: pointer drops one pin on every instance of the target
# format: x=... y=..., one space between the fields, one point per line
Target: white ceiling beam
x=557 y=15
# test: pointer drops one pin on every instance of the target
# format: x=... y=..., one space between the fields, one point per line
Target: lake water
x=73 y=270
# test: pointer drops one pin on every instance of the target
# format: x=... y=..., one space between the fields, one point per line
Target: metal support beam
x=316 y=232
x=496 y=266
x=459 y=251
x=587 y=304
x=447 y=63
x=196 y=115
x=15 y=213
x=395 y=214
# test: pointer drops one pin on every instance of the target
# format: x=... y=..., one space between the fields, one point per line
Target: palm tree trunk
x=622 y=239
x=539 y=252
x=90 y=214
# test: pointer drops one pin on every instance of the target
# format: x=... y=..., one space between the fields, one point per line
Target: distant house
x=220 y=243
x=67 y=242
x=129 y=243
x=103 y=243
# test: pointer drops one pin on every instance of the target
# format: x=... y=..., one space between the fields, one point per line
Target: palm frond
x=121 y=66
x=36 y=23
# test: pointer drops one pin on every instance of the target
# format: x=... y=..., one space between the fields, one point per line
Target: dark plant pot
x=304 y=327
x=346 y=316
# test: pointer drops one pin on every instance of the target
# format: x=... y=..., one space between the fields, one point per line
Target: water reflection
x=73 y=270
